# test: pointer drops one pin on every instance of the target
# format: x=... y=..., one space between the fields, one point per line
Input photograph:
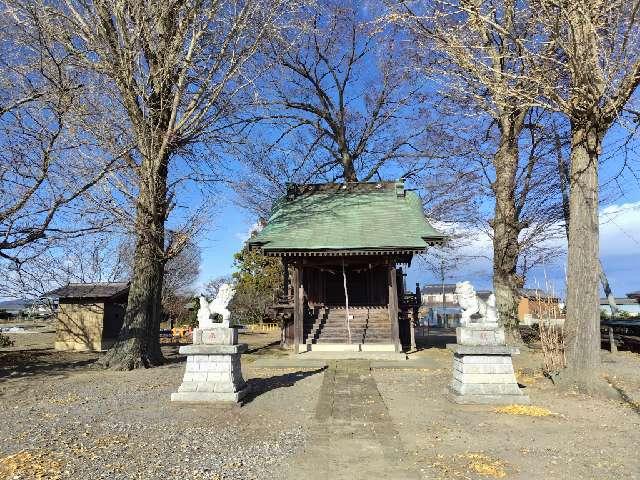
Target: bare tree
x=212 y=287
x=473 y=51
x=338 y=104
x=47 y=159
x=593 y=76
x=180 y=274
x=172 y=69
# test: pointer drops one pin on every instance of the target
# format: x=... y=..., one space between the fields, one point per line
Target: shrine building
x=344 y=247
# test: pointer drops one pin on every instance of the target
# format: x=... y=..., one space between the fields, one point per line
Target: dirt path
x=352 y=436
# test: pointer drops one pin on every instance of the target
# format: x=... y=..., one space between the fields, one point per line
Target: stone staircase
x=328 y=325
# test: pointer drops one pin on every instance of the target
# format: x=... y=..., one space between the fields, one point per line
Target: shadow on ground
x=436 y=338
x=30 y=363
x=263 y=348
x=259 y=386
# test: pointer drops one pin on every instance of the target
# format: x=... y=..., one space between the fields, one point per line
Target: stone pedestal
x=483 y=368
x=213 y=372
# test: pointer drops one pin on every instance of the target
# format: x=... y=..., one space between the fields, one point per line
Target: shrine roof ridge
x=364 y=217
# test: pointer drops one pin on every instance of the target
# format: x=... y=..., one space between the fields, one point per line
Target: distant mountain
x=15 y=305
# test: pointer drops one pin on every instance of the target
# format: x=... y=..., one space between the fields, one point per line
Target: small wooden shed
x=343 y=245
x=90 y=315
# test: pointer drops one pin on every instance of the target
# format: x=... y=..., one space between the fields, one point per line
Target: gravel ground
x=64 y=418
x=581 y=438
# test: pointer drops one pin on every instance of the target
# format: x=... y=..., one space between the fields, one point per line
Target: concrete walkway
x=353 y=436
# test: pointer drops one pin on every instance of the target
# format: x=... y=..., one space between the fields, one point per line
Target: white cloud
x=244 y=236
x=620 y=230
x=619 y=250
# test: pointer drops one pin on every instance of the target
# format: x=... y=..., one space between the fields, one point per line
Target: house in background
x=440 y=305
x=90 y=315
x=627 y=306
x=535 y=305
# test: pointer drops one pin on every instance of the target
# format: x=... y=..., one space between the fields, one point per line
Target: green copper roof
x=362 y=216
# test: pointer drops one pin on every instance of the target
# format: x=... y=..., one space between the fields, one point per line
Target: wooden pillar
x=393 y=306
x=416 y=316
x=301 y=297
x=297 y=309
x=285 y=280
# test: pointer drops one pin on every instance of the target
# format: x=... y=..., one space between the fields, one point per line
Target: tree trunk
x=138 y=343
x=505 y=237
x=349 y=171
x=582 y=326
x=564 y=188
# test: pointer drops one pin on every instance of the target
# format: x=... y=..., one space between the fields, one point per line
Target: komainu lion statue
x=217 y=305
x=471 y=305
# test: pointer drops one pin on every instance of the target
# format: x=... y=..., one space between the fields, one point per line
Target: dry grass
x=32 y=465
x=485 y=465
x=552 y=341
x=551 y=335
x=528 y=376
x=70 y=399
x=526 y=410
x=462 y=465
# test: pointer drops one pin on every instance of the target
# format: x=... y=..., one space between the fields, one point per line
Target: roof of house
x=366 y=217
x=620 y=301
x=634 y=294
x=484 y=294
x=447 y=305
x=90 y=290
x=435 y=289
x=534 y=293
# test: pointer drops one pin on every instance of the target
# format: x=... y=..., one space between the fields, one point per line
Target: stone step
x=343 y=328
x=329 y=325
x=342 y=321
x=329 y=328
x=345 y=334
x=345 y=341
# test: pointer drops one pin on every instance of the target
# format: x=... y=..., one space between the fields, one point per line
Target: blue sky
x=620 y=247
x=620 y=229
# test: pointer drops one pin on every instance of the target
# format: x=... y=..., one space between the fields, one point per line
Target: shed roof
x=376 y=217
x=90 y=290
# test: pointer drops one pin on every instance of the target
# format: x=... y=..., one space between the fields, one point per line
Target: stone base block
x=347 y=347
x=488 y=399
x=481 y=334
x=211 y=376
x=486 y=379
x=378 y=347
x=215 y=336
x=209 y=397
x=330 y=347
x=484 y=388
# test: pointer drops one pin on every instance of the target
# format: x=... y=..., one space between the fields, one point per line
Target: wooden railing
x=262 y=327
